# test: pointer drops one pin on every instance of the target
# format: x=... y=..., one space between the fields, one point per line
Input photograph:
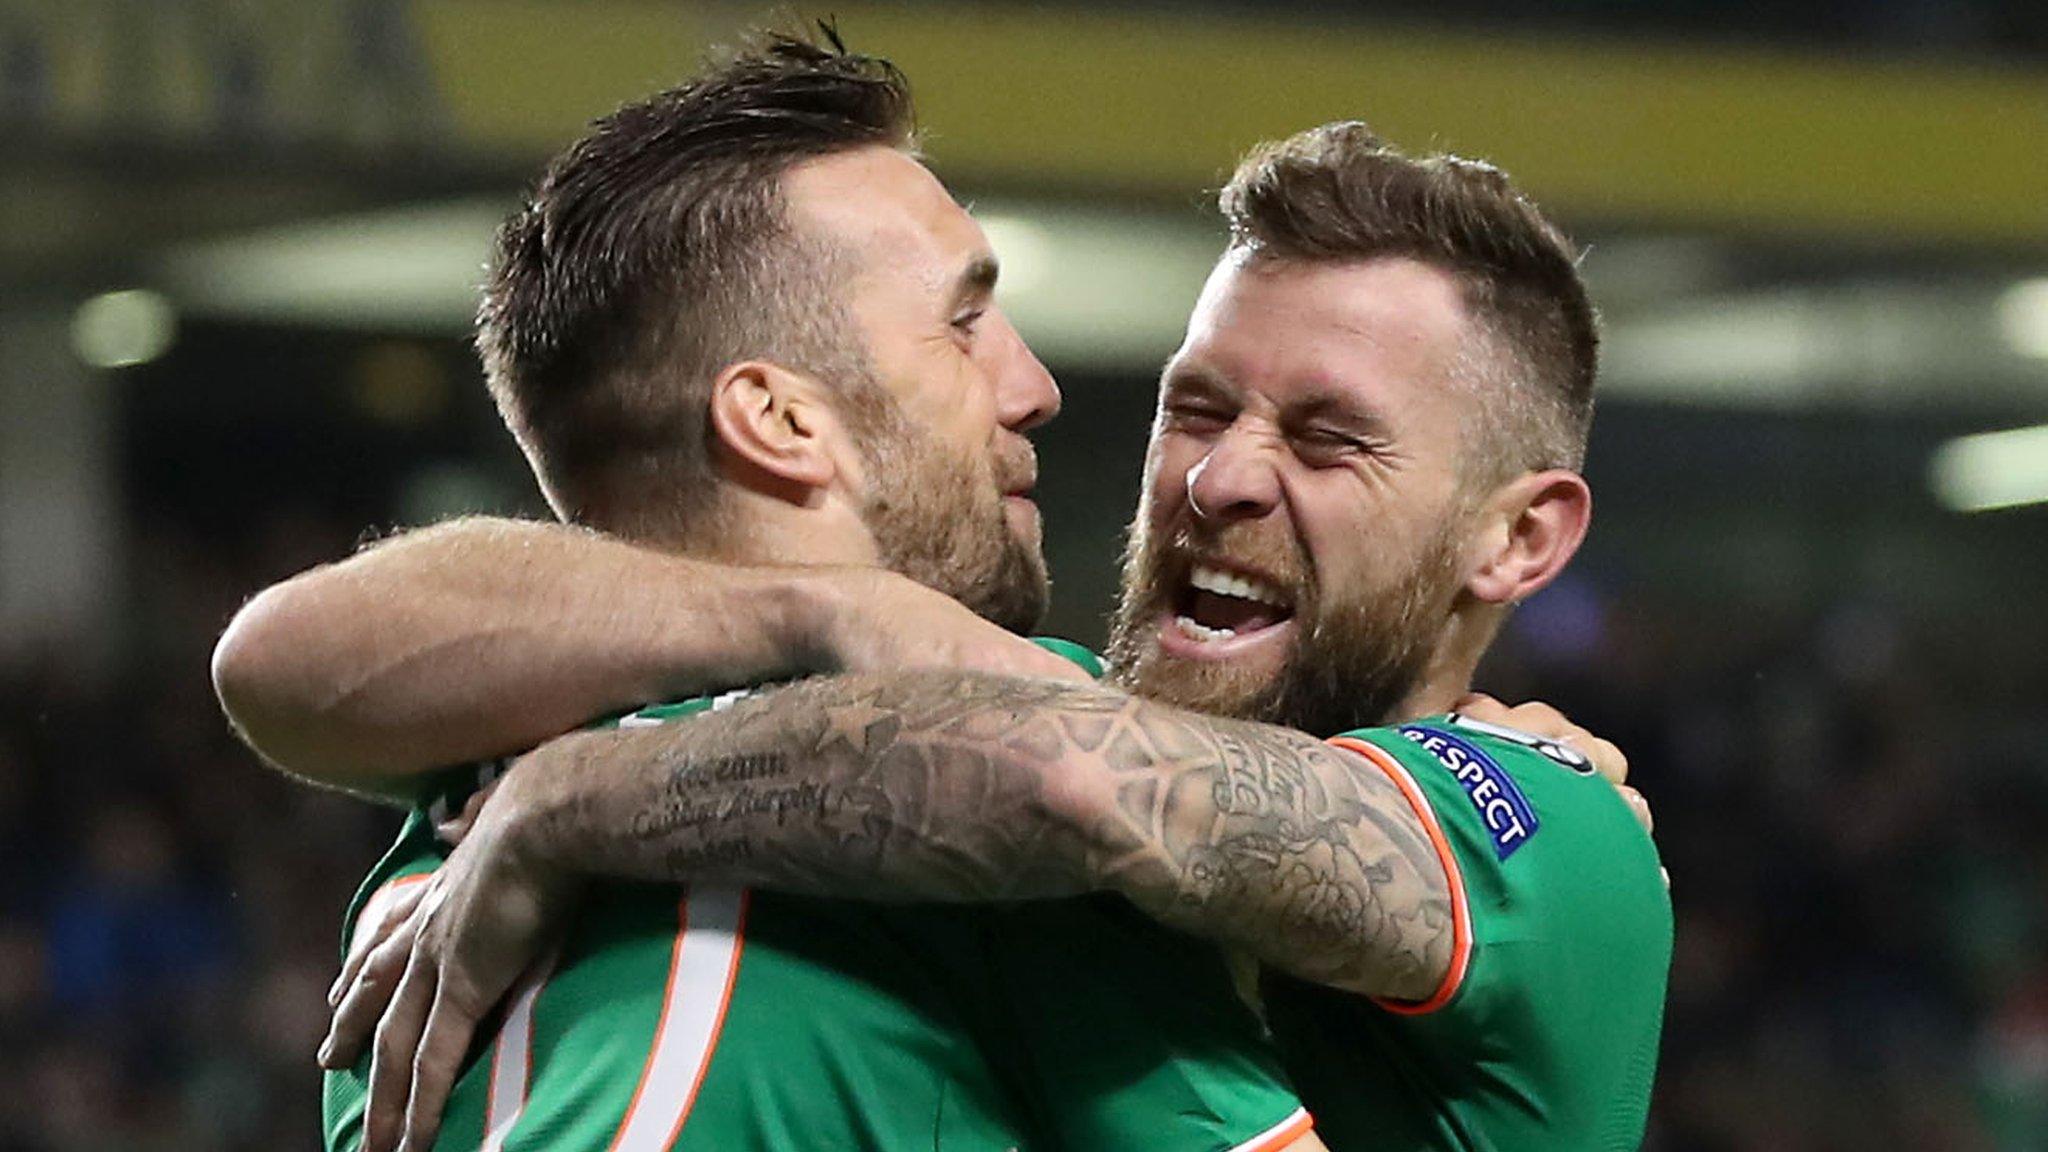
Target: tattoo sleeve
x=954 y=786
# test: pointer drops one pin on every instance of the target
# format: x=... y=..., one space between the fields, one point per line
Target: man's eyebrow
x=1184 y=376
x=1328 y=402
x=975 y=282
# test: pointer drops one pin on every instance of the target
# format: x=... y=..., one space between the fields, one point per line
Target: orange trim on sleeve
x=1461 y=912
x=1297 y=1124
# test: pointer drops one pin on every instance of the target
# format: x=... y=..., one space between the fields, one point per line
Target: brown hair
x=1340 y=193
x=654 y=252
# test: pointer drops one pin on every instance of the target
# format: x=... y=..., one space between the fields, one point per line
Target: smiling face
x=946 y=474
x=1302 y=534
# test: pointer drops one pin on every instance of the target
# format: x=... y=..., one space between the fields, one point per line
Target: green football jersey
x=715 y=1018
x=1544 y=1034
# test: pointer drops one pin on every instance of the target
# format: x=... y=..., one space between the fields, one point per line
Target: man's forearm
x=962 y=787
x=483 y=637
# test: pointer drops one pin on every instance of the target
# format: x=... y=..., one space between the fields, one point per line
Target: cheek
x=1167 y=464
x=968 y=403
x=1349 y=530
x=953 y=401
x=1367 y=539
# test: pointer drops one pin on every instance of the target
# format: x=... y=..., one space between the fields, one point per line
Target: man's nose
x=1237 y=480
x=1026 y=394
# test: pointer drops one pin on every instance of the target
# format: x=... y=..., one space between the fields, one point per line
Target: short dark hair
x=1339 y=193
x=654 y=252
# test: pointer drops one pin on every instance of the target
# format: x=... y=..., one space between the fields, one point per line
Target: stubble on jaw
x=937 y=517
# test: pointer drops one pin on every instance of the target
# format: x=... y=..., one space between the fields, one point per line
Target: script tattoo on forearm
x=955 y=786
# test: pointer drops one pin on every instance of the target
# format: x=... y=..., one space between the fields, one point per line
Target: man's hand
x=890 y=623
x=444 y=954
x=1540 y=719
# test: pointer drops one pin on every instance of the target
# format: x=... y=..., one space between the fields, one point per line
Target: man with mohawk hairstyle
x=1366 y=452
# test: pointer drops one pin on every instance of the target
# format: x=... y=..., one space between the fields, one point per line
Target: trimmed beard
x=1357 y=654
x=936 y=515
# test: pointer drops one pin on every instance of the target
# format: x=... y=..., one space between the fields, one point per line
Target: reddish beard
x=1357 y=652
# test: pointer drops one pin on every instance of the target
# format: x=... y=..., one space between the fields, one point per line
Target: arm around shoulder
x=1308 y=856
x=481 y=637
x=953 y=786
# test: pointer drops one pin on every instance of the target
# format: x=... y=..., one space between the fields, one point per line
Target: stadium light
x=412 y=269
x=119 y=329
x=2023 y=317
x=1992 y=470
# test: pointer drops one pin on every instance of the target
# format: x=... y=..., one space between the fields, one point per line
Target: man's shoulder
x=1534 y=829
x=1559 y=888
x=1510 y=780
x=1464 y=744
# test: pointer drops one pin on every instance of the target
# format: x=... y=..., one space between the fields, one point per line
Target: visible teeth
x=1200 y=631
x=1229 y=584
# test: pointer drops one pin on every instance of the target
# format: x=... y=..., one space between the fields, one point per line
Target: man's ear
x=1531 y=527
x=774 y=428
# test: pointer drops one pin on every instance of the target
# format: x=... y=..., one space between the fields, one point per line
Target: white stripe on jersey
x=701 y=974
x=512 y=1060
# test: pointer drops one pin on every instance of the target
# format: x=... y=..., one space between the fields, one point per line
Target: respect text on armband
x=1509 y=819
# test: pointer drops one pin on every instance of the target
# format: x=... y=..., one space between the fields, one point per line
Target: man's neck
x=1431 y=699
x=756 y=532
x=1447 y=678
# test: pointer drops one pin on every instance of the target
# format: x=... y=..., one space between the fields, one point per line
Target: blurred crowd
x=1851 y=822
x=169 y=914
x=1859 y=881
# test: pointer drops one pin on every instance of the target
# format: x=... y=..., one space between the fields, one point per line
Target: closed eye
x=1325 y=446
x=965 y=324
x=1198 y=418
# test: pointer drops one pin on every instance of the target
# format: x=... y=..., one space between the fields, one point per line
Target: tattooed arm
x=914 y=786
x=953 y=786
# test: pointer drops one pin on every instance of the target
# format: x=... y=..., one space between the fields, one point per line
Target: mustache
x=1016 y=465
x=1264 y=548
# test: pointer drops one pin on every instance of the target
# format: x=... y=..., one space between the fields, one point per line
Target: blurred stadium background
x=237 y=245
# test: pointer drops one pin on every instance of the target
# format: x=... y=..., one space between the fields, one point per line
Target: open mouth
x=1215 y=605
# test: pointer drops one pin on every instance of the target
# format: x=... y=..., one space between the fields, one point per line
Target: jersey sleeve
x=1562 y=922
x=1134 y=1036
